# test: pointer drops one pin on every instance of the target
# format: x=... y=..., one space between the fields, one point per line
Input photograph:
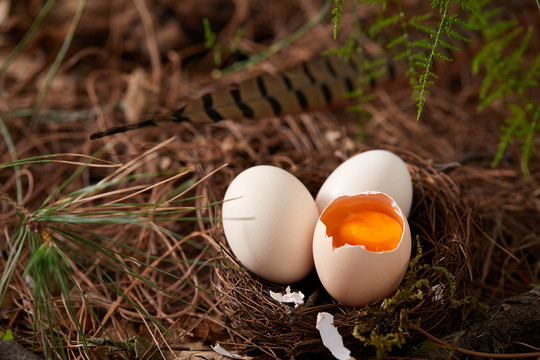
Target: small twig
x=472 y=352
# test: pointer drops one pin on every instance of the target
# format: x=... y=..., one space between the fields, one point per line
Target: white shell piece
x=221 y=351
x=331 y=337
x=289 y=297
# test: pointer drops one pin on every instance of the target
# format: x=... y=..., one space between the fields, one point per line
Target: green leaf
x=6 y=335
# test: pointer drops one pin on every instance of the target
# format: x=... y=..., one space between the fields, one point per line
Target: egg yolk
x=375 y=230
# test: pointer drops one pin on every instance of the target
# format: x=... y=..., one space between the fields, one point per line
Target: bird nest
x=432 y=293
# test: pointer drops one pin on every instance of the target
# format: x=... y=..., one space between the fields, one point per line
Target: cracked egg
x=361 y=247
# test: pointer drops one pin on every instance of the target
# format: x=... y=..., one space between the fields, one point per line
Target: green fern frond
x=423 y=43
x=453 y=21
x=381 y=24
x=524 y=125
x=336 y=15
x=510 y=79
x=438 y=34
x=435 y=37
x=528 y=149
x=425 y=29
x=397 y=41
x=446 y=45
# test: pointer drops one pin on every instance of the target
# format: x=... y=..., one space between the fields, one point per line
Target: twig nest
x=436 y=282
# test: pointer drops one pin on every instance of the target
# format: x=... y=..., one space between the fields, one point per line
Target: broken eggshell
x=331 y=337
x=351 y=274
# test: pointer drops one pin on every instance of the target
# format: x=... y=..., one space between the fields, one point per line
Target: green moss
x=385 y=326
x=6 y=335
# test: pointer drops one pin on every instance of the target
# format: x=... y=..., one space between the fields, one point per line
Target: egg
x=361 y=247
x=374 y=170
x=268 y=218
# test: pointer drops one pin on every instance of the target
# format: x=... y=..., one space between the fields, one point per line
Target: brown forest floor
x=150 y=56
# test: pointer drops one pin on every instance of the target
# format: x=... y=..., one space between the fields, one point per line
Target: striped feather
x=315 y=84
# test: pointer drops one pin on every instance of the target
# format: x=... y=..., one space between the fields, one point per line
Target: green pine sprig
x=65 y=244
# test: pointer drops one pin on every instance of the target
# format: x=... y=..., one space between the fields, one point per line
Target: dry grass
x=482 y=221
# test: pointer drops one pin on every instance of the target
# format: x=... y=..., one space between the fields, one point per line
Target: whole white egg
x=374 y=170
x=357 y=273
x=268 y=218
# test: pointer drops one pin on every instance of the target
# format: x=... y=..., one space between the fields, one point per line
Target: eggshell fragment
x=268 y=218
x=221 y=351
x=296 y=297
x=374 y=170
x=353 y=275
x=331 y=337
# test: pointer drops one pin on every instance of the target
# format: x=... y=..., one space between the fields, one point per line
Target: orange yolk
x=375 y=230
